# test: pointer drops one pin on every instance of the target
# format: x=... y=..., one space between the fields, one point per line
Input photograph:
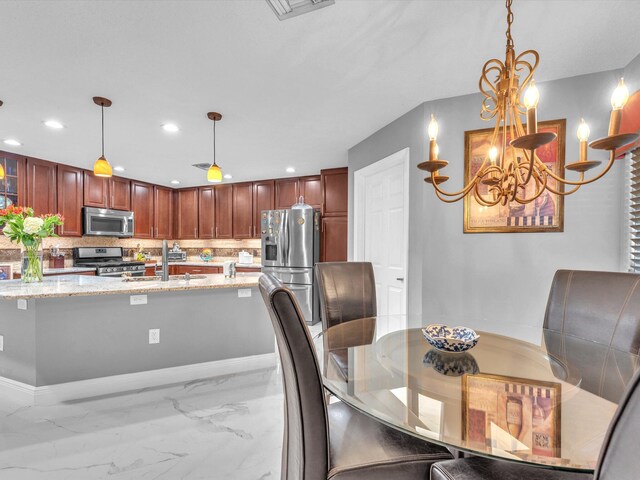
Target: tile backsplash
x=222 y=249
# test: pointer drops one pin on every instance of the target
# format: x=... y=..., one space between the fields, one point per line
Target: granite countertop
x=79 y=285
x=204 y=264
x=67 y=270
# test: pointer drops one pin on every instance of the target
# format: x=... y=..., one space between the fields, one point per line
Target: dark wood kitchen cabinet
x=311 y=190
x=206 y=212
x=12 y=186
x=120 y=193
x=224 y=211
x=102 y=192
x=163 y=212
x=70 y=185
x=194 y=270
x=333 y=241
x=335 y=195
x=187 y=214
x=287 y=192
x=242 y=212
x=263 y=199
x=142 y=207
x=41 y=186
x=96 y=191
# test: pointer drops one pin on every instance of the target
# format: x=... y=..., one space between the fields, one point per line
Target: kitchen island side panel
x=18 y=328
x=79 y=338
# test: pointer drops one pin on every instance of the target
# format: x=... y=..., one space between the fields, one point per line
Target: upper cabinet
x=101 y=192
x=224 y=211
x=311 y=190
x=142 y=207
x=96 y=191
x=163 y=212
x=335 y=197
x=263 y=199
x=243 y=210
x=206 y=212
x=70 y=186
x=120 y=193
x=287 y=192
x=12 y=185
x=187 y=214
x=41 y=186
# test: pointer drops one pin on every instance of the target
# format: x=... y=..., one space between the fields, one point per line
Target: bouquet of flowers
x=22 y=227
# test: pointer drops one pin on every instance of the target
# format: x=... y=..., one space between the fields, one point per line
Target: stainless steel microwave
x=108 y=223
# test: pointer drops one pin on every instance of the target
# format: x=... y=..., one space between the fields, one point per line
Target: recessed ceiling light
x=54 y=124
x=12 y=142
x=118 y=169
x=170 y=127
x=291 y=170
x=175 y=182
x=228 y=176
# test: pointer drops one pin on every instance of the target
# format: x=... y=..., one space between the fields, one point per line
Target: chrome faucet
x=165 y=261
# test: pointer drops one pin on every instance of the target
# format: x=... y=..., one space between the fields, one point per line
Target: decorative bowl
x=450 y=339
x=451 y=364
x=206 y=255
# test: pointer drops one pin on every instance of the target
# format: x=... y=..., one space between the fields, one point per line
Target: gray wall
x=406 y=131
x=499 y=282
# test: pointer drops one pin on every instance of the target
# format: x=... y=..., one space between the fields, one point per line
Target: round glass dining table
x=547 y=401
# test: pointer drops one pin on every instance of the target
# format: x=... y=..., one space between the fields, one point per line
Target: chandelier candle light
x=506 y=177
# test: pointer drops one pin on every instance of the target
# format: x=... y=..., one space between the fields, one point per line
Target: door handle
x=216 y=232
x=401 y=279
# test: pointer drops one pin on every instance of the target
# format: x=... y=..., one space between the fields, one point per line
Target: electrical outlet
x=244 y=292
x=22 y=304
x=1 y=343
x=154 y=335
x=138 y=300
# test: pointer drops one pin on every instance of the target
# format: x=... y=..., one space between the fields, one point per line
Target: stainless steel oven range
x=107 y=261
x=290 y=249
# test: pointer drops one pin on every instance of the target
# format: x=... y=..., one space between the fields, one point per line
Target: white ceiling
x=293 y=93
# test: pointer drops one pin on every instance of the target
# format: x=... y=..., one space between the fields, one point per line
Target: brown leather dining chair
x=601 y=307
x=347 y=291
x=619 y=459
x=332 y=442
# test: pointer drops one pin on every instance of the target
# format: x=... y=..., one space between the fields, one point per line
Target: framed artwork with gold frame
x=513 y=414
x=545 y=214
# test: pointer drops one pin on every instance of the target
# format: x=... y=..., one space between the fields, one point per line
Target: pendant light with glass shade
x=102 y=168
x=1 y=167
x=214 y=174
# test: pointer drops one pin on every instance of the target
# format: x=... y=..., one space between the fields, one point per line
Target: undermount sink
x=157 y=278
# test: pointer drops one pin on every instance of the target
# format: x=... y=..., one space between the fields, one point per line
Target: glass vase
x=32 y=262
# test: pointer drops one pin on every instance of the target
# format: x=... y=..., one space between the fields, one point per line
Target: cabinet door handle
x=195 y=232
x=249 y=231
x=151 y=231
x=216 y=232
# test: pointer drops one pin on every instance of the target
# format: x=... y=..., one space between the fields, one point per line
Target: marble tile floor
x=227 y=427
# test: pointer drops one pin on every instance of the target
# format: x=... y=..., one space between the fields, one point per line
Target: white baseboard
x=52 y=394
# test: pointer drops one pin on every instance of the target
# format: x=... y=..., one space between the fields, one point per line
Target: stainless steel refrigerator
x=290 y=249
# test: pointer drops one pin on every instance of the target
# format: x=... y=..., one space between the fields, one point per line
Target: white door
x=380 y=227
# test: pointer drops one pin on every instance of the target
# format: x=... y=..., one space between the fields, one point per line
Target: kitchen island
x=77 y=336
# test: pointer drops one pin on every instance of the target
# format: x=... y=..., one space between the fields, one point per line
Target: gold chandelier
x=505 y=175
